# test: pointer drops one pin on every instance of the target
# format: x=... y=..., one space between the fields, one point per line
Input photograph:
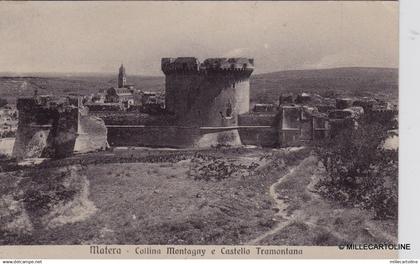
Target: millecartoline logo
x=375 y=246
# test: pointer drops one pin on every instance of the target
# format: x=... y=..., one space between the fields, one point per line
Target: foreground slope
x=227 y=196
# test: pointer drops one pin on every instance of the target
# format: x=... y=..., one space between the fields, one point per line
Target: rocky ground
x=218 y=196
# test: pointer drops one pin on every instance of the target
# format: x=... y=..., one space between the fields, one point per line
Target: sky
x=87 y=37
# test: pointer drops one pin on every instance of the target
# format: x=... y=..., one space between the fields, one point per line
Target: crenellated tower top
x=211 y=65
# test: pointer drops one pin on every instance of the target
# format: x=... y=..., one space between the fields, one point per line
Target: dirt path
x=284 y=219
x=281 y=205
x=281 y=214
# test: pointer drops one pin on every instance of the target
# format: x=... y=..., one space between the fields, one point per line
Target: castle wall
x=153 y=136
x=63 y=133
x=171 y=136
x=259 y=129
x=259 y=136
x=47 y=127
x=33 y=129
x=258 y=119
x=229 y=137
x=92 y=134
x=290 y=130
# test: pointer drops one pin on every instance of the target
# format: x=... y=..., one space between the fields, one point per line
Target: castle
x=203 y=103
x=206 y=104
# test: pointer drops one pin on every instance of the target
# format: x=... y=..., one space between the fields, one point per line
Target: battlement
x=181 y=64
x=193 y=65
x=228 y=64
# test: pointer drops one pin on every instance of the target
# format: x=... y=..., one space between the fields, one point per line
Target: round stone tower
x=210 y=94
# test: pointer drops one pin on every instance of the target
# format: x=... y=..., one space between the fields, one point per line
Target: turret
x=211 y=93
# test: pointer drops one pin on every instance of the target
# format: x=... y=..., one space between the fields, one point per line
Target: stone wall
x=48 y=128
x=259 y=119
x=63 y=133
x=259 y=136
x=34 y=136
x=171 y=136
x=152 y=136
x=92 y=134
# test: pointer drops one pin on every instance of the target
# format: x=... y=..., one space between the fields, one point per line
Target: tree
x=360 y=173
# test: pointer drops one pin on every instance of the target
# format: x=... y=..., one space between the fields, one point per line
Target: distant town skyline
x=84 y=37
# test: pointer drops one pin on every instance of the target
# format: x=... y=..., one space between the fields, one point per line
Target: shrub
x=360 y=173
x=3 y=102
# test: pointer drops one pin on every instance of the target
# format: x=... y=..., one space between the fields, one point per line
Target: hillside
x=380 y=82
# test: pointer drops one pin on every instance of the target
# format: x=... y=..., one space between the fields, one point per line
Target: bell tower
x=122 y=78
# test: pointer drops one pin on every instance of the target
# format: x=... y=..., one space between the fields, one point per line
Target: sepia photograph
x=199 y=123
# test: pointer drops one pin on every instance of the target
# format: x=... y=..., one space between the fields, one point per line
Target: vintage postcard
x=199 y=129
